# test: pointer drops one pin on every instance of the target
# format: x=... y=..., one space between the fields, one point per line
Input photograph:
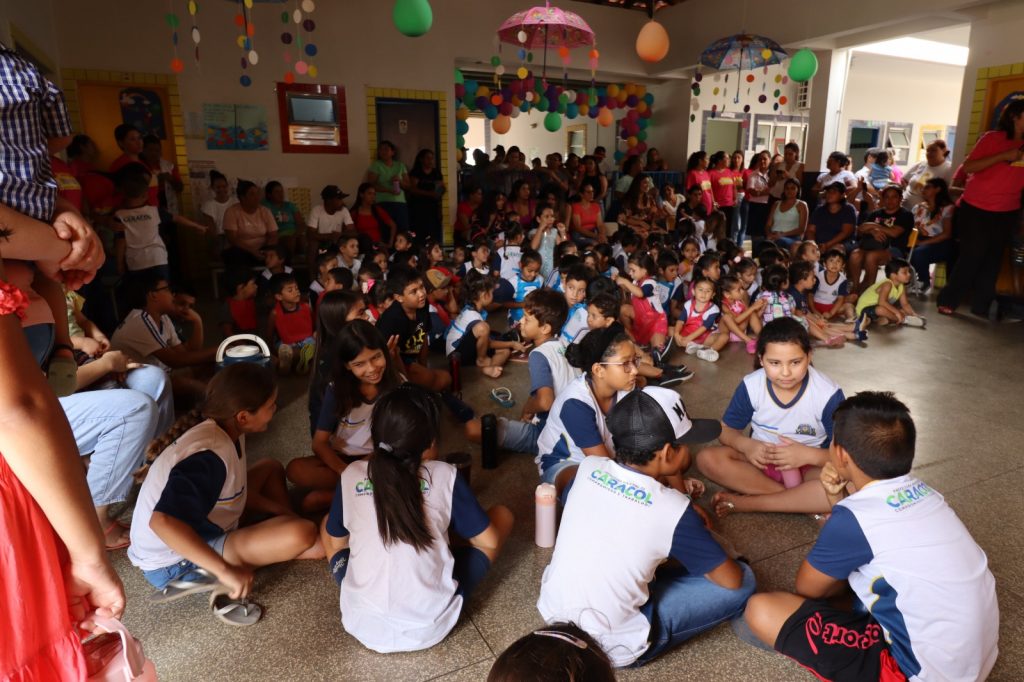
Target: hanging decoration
x=177 y=66
x=412 y=18
x=549 y=27
x=803 y=65
x=301 y=62
x=193 y=10
x=247 y=29
x=652 y=42
x=742 y=52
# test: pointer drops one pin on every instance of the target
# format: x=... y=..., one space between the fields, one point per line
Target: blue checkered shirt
x=32 y=109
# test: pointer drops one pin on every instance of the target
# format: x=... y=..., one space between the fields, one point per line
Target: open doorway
x=409 y=124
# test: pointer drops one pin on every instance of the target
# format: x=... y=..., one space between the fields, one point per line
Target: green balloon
x=562 y=106
x=412 y=18
x=495 y=60
x=563 y=98
x=803 y=66
x=642 y=135
x=543 y=104
x=553 y=122
x=460 y=141
x=459 y=78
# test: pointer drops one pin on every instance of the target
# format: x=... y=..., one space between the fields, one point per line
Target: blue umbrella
x=742 y=51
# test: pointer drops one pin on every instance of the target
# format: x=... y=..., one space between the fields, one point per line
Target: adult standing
x=248 y=226
x=933 y=219
x=287 y=216
x=757 y=200
x=832 y=224
x=390 y=179
x=989 y=211
x=787 y=221
x=425 y=191
x=723 y=185
x=737 y=168
x=56 y=575
x=936 y=164
x=697 y=174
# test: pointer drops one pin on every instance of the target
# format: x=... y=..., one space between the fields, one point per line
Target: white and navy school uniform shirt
x=554 y=281
x=508 y=258
x=602 y=587
x=467 y=266
x=520 y=288
x=575 y=324
x=649 y=287
x=350 y=434
x=394 y=598
x=549 y=369
x=575 y=422
x=140 y=335
x=460 y=326
x=806 y=419
x=826 y=293
x=916 y=568
x=665 y=291
x=707 y=318
x=143 y=246
x=267 y=275
x=198 y=479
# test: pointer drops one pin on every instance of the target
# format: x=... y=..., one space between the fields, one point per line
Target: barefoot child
x=886 y=301
x=470 y=335
x=189 y=532
x=635 y=604
x=402 y=586
x=363 y=369
x=697 y=330
x=788 y=405
x=742 y=321
x=925 y=598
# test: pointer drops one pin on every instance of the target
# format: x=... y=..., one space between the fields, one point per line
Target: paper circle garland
x=192 y=7
x=177 y=66
x=308 y=6
x=254 y=58
x=311 y=50
x=245 y=81
x=286 y=38
x=289 y=77
x=413 y=18
x=783 y=100
x=750 y=78
x=803 y=65
x=195 y=35
x=766 y=53
x=762 y=99
x=309 y=25
x=301 y=67
x=312 y=71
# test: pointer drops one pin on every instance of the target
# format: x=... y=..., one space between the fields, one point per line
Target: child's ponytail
x=404 y=426
x=160 y=443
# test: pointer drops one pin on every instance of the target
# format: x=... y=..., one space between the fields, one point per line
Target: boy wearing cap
x=928 y=601
x=610 y=585
x=327 y=221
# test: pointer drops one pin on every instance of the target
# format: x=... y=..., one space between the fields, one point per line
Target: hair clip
x=385 y=447
x=564 y=636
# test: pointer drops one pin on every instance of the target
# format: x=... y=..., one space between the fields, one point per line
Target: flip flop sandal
x=120 y=545
x=237 y=612
x=503 y=396
x=176 y=589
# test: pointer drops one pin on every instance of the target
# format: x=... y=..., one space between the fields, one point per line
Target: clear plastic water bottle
x=545 y=498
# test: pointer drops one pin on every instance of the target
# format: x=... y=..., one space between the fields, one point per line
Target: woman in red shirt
x=368 y=217
x=697 y=174
x=988 y=213
x=723 y=185
x=587 y=227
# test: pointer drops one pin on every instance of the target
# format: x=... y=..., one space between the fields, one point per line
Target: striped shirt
x=32 y=109
x=140 y=336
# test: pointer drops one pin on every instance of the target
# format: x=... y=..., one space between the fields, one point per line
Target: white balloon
x=515 y=112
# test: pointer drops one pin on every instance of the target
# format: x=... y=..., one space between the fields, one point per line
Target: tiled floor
x=961 y=378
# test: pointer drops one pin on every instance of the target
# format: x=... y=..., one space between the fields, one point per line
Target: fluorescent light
x=921 y=50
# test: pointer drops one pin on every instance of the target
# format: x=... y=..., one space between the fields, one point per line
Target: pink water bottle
x=791 y=478
x=545 y=496
x=396 y=187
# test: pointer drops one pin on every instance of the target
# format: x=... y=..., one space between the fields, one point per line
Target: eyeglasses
x=625 y=364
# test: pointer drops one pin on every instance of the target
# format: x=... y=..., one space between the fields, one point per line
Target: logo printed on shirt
x=806 y=430
x=624 y=489
x=908 y=495
x=365 y=487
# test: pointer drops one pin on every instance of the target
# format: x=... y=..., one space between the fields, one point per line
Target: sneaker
x=284 y=358
x=914 y=321
x=861 y=334
x=708 y=354
x=752 y=346
x=692 y=347
x=680 y=371
x=663 y=352
x=667 y=380
x=305 y=358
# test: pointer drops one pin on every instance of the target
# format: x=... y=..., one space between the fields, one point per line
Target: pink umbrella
x=546 y=27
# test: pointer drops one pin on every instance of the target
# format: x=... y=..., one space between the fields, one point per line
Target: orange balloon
x=652 y=42
x=606 y=117
x=496 y=99
x=501 y=124
x=641 y=107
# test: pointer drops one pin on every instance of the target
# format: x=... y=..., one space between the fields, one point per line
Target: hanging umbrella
x=546 y=27
x=742 y=51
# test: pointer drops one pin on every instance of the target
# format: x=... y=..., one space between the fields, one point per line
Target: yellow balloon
x=462 y=113
x=632 y=141
x=641 y=90
x=584 y=109
x=613 y=90
x=630 y=89
x=483 y=91
x=622 y=96
x=522 y=72
x=641 y=107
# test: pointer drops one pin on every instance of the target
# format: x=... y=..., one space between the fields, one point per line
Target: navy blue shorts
x=466 y=346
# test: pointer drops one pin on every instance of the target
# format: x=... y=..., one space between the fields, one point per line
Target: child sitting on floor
x=324 y=262
x=470 y=335
x=560 y=652
x=832 y=293
x=926 y=603
x=188 y=534
x=650 y=323
x=697 y=331
x=633 y=602
x=788 y=405
x=886 y=301
x=274 y=262
x=291 y=324
x=238 y=316
x=337 y=309
x=803 y=279
x=743 y=321
x=524 y=280
x=574 y=287
x=404 y=587
x=777 y=301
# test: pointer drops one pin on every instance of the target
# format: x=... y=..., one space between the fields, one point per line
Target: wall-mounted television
x=306 y=109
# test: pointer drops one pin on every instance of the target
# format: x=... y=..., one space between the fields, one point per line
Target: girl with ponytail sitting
x=402 y=586
x=188 y=531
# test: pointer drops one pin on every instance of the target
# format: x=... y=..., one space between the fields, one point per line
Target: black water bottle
x=489 y=441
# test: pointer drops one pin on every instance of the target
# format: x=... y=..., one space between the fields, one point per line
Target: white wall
x=34 y=20
x=881 y=88
x=995 y=40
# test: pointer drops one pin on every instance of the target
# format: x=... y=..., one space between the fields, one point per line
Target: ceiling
x=641 y=5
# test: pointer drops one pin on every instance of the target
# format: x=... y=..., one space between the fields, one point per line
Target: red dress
x=39 y=640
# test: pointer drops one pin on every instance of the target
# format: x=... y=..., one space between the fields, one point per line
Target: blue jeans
x=155 y=383
x=116 y=427
x=926 y=254
x=739 y=228
x=682 y=606
x=518 y=436
x=184 y=569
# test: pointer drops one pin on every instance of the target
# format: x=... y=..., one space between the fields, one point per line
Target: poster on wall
x=143 y=109
x=235 y=127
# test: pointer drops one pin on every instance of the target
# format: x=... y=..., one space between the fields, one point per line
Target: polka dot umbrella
x=742 y=51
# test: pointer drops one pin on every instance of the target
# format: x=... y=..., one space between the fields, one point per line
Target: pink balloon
x=301 y=67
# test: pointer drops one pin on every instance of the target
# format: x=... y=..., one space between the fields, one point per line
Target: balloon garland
x=502 y=103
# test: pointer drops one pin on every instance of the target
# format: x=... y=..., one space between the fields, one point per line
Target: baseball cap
x=645 y=420
x=332 y=192
x=438 y=278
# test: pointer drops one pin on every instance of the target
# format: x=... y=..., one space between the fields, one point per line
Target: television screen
x=311 y=110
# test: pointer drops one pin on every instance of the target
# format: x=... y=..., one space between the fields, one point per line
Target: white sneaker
x=708 y=354
x=284 y=358
x=914 y=321
x=693 y=347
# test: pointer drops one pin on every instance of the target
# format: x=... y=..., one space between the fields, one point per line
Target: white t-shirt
x=575 y=422
x=601 y=585
x=918 y=175
x=806 y=419
x=575 y=326
x=509 y=256
x=140 y=335
x=215 y=210
x=844 y=176
x=394 y=598
x=329 y=223
x=143 y=246
x=460 y=327
x=828 y=293
x=916 y=568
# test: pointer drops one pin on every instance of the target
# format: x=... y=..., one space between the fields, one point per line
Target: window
x=929 y=136
x=576 y=140
x=763 y=136
x=898 y=140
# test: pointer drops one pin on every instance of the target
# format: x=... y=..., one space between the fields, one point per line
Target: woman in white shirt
x=213 y=210
x=936 y=164
x=933 y=219
x=757 y=199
